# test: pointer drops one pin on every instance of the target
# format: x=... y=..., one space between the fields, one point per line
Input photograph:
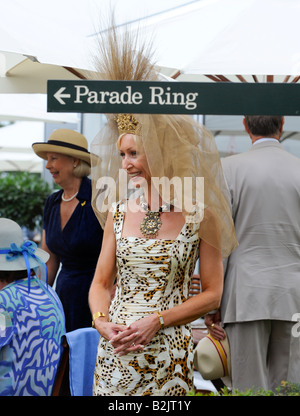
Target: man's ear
x=282 y=123
x=245 y=126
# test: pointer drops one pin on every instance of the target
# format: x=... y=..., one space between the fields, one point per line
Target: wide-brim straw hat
x=11 y=234
x=212 y=358
x=65 y=141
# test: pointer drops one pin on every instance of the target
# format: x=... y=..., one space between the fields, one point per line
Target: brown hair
x=10 y=276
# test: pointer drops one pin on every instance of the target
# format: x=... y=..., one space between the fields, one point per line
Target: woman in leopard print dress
x=146 y=345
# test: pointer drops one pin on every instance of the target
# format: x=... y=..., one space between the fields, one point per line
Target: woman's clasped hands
x=129 y=338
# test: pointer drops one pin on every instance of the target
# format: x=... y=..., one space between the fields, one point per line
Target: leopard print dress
x=153 y=274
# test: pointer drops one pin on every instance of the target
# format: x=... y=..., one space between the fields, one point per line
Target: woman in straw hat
x=153 y=236
x=31 y=317
x=72 y=235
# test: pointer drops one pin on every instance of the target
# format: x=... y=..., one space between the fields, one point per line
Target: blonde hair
x=82 y=169
x=122 y=135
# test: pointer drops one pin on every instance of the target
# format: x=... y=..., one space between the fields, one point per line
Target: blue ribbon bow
x=26 y=250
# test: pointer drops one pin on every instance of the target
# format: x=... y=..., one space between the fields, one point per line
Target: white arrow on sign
x=59 y=95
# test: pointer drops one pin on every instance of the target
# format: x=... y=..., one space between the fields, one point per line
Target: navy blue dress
x=77 y=247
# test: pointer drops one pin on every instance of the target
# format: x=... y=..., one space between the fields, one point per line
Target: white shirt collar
x=266 y=139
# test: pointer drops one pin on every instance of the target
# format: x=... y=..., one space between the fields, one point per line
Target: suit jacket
x=262 y=277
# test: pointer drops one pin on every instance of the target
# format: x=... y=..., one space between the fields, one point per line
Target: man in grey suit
x=261 y=298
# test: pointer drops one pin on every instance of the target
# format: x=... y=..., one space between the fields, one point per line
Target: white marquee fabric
x=15 y=146
x=196 y=37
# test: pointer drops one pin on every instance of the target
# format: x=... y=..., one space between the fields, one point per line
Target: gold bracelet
x=95 y=316
x=161 y=319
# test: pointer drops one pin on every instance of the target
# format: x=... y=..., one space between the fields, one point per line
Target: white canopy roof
x=252 y=39
x=31 y=107
x=231 y=37
x=196 y=37
x=15 y=146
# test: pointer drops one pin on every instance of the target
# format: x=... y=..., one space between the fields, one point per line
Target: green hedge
x=22 y=198
x=285 y=389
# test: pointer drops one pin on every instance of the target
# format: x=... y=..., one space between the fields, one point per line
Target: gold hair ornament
x=127 y=123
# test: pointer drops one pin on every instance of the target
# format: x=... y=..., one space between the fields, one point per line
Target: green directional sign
x=228 y=98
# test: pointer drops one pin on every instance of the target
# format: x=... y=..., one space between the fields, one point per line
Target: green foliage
x=288 y=389
x=285 y=389
x=22 y=198
x=248 y=392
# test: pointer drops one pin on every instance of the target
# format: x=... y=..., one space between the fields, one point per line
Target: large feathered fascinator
x=177 y=148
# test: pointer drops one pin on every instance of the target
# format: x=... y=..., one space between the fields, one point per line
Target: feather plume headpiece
x=175 y=145
x=123 y=56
